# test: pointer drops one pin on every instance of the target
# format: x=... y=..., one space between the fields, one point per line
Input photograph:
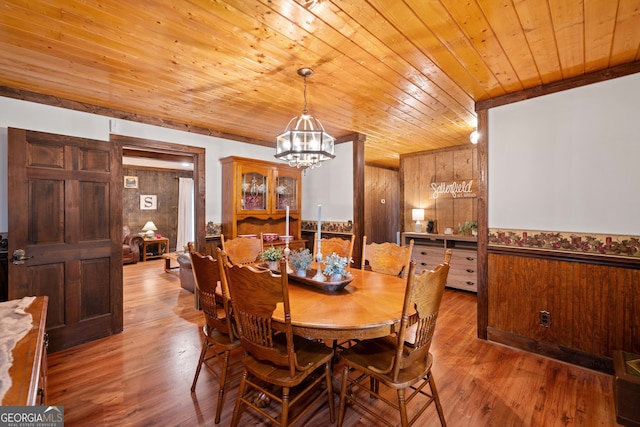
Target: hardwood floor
x=142 y=376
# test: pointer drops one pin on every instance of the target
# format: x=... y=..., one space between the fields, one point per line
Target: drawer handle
x=423 y=264
x=470 y=258
x=470 y=283
x=423 y=253
x=470 y=270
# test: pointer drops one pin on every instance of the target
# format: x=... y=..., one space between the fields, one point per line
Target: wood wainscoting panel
x=382 y=220
x=592 y=308
x=418 y=171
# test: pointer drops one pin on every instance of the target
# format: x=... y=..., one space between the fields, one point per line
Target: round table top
x=368 y=307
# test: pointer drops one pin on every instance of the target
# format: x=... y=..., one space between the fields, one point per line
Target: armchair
x=131 y=243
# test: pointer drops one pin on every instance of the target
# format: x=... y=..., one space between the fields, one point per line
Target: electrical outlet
x=545 y=318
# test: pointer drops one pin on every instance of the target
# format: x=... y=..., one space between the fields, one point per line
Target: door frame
x=197 y=154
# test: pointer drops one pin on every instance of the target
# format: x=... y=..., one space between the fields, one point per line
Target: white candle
x=319 y=220
x=287 y=229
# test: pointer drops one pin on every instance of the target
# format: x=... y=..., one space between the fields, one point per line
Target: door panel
x=48 y=279
x=65 y=212
x=95 y=298
x=46 y=204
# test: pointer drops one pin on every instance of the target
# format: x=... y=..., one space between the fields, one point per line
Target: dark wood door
x=65 y=198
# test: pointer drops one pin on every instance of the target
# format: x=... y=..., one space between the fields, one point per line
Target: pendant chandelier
x=304 y=143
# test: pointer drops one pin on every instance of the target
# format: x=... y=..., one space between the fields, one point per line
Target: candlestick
x=287 y=251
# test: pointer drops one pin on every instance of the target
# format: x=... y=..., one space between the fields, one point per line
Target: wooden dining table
x=370 y=306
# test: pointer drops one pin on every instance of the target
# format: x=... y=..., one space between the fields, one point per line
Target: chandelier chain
x=304 y=109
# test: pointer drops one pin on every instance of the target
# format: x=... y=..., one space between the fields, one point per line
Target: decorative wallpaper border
x=213 y=229
x=328 y=226
x=584 y=243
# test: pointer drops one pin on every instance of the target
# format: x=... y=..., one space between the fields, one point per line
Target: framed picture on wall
x=148 y=202
x=130 y=182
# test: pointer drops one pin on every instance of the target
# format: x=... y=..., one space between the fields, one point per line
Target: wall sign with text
x=148 y=202
x=454 y=189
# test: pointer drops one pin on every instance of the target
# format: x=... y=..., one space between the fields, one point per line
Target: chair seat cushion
x=374 y=355
x=311 y=354
x=216 y=337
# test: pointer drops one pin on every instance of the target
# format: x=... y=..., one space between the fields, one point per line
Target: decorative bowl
x=248 y=236
x=269 y=237
x=286 y=238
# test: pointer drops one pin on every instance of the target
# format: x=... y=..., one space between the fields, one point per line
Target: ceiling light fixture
x=304 y=143
x=474 y=136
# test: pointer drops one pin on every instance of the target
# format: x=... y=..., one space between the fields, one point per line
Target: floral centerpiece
x=335 y=266
x=272 y=255
x=300 y=261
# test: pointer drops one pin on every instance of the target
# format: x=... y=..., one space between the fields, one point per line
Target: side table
x=163 y=247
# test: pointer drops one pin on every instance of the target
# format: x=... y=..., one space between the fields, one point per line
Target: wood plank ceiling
x=405 y=73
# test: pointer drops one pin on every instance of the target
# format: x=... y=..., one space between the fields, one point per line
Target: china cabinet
x=255 y=196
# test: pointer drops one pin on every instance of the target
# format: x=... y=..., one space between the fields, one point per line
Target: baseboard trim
x=554 y=351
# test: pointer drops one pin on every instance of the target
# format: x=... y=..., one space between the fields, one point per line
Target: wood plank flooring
x=142 y=377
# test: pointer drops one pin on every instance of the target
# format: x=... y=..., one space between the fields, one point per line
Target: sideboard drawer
x=427 y=257
x=429 y=250
x=464 y=270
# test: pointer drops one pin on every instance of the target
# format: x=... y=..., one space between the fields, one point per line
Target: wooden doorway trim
x=197 y=154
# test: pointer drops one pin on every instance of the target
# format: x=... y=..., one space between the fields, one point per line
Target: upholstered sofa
x=131 y=244
x=187 y=281
x=186 y=273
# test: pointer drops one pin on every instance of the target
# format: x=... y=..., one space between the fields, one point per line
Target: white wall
x=331 y=186
x=568 y=161
x=44 y=118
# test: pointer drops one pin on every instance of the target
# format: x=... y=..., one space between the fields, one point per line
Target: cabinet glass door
x=286 y=192
x=254 y=191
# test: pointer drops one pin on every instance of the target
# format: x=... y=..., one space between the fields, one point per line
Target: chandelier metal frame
x=304 y=142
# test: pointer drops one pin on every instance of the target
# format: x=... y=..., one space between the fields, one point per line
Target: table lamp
x=417 y=215
x=150 y=228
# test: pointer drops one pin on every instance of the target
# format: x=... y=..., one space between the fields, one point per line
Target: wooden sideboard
x=29 y=368
x=429 y=249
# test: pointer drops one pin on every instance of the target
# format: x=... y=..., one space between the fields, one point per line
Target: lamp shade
x=149 y=226
x=417 y=214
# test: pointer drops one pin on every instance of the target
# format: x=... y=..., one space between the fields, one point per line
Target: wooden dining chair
x=275 y=359
x=242 y=250
x=386 y=258
x=220 y=338
x=342 y=247
x=398 y=361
